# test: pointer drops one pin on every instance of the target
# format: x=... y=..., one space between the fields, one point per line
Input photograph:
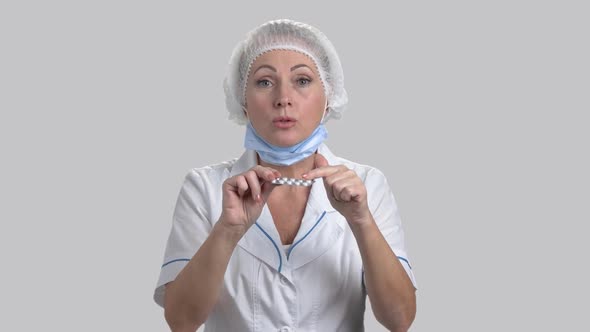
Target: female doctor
x=245 y=254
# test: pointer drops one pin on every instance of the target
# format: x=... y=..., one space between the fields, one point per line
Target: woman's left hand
x=346 y=191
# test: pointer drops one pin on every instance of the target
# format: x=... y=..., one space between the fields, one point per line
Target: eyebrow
x=274 y=70
x=299 y=66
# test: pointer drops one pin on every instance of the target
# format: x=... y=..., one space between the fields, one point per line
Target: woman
x=246 y=254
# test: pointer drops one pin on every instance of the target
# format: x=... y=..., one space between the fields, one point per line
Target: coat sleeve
x=191 y=226
x=385 y=212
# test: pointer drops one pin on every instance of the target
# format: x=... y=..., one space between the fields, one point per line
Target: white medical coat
x=315 y=285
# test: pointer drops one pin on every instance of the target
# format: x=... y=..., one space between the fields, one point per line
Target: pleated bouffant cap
x=284 y=35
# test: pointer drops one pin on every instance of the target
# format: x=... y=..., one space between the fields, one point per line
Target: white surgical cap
x=284 y=35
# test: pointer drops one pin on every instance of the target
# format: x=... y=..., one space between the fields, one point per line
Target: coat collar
x=317 y=197
x=320 y=227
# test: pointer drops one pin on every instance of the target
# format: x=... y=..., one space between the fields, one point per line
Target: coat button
x=284 y=281
x=285 y=329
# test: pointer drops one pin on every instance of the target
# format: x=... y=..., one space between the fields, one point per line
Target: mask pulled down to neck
x=284 y=156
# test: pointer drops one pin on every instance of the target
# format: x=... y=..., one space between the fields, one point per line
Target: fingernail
x=304 y=175
x=258 y=197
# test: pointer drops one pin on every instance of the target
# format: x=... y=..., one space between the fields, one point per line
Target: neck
x=291 y=171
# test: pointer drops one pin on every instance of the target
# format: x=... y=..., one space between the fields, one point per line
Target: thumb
x=319 y=161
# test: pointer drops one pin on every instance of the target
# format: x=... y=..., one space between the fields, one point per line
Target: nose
x=283 y=98
x=283 y=102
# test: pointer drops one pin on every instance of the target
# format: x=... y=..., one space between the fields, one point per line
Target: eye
x=263 y=83
x=303 y=81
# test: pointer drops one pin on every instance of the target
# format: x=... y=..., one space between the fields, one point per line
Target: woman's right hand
x=244 y=196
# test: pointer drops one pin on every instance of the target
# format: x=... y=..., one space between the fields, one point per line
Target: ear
x=325 y=115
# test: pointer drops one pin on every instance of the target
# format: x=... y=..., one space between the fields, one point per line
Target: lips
x=283 y=122
x=283 y=119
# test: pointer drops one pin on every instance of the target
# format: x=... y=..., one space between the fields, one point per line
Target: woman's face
x=285 y=99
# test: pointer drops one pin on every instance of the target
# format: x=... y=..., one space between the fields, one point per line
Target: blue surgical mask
x=284 y=156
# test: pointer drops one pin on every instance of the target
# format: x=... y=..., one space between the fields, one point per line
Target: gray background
x=476 y=112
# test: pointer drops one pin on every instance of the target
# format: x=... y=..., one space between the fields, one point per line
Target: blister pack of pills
x=293 y=182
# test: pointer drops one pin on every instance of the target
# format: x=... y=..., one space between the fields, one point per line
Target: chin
x=285 y=140
x=284 y=143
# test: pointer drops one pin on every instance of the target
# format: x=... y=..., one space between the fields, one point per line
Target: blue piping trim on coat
x=399 y=257
x=176 y=260
x=405 y=260
x=274 y=244
x=306 y=234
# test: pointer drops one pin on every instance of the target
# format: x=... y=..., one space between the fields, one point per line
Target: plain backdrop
x=476 y=111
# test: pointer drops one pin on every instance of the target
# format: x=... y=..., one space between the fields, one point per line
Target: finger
x=339 y=176
x=254 y=184
x=356 y=198
x=324 y=171
x=345 y=192
x=319 y=161
x=329 y=182
x=352 y=191
x=266 y=173
x=241 y=185
x=345 y=185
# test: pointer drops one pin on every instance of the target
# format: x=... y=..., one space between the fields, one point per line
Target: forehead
x=283 y=59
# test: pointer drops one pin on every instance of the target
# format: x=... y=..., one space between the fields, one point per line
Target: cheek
x=257 y=105
x=257 y=99
x=315 y=101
